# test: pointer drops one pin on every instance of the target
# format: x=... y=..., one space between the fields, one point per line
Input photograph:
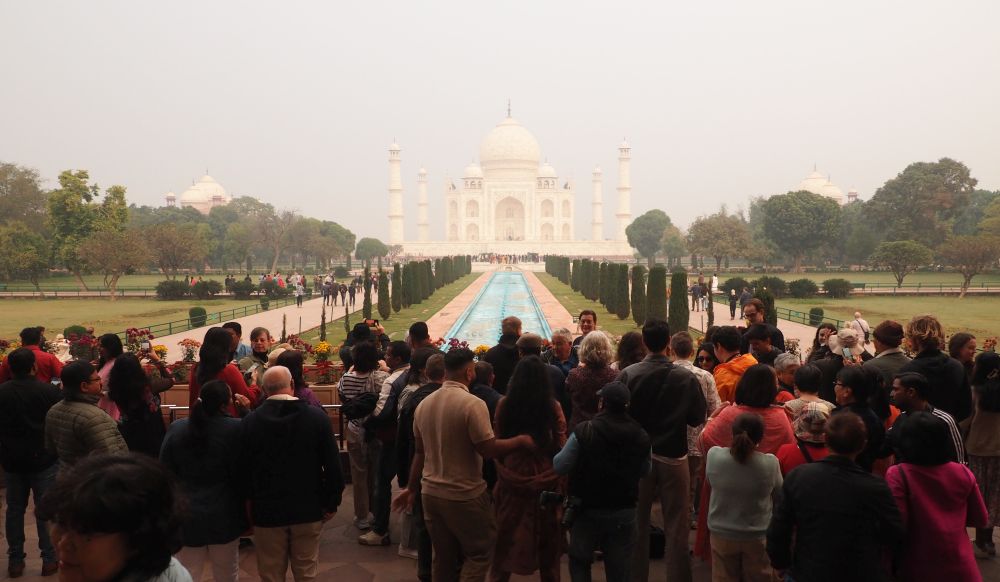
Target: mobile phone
x=847 y=353
x=145 y=346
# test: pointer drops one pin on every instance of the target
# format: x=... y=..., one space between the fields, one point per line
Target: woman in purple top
x=594 y=371
x=292 y=359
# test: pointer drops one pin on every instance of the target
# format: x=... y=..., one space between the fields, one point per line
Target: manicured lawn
x=105 y=315
x=885 y=278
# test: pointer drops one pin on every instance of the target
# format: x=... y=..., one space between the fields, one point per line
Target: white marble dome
x=833 y=192
x=473 y=171
x=204 y=194
x=547 y=171
x=509 y=146
x=814 y=182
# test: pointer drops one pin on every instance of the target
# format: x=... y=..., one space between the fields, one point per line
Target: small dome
x=394 y=147
x=422 y=172
x=814 y=183
x=509 y=145
x=597 y=170
x=193 y=195
x=831 y=191
x=171 y=196
x=547 y=171
x=473 y=171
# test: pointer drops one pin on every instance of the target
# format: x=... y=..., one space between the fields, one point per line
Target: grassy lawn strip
x=399 y=323
x=575 y=303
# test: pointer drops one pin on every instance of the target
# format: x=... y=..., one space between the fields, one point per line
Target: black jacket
x=290 y=463
x=665 y=402
x=840 y=518
x=613 y=452
x=503 y=358
x=491 y=397
x=950 y=389
x=405 y=446
x=777 y=339
x=24 y=402
x=876 y=434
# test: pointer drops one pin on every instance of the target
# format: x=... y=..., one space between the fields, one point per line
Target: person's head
x=759 y=336
x=823 y=332
x=705 y=359
x=630 y=350
x=808 y=379
x=21 y=362
x=910 y=391
x=484 y=373
x=235 y=328
x=748 y=431
x=277 y=380
x=846 y=434
x=127 y=382
x=987 y=368
x=417 y=374
x=857 y=315
x=510 y=326
x=459 y=366
x=31 y=336
x=853 y=386
x=79 y=378
x=754 y=311
x=397 y=354
x=962 y=347
x=681 y=345
x=529 y=344
x=587 y=321
x=809 y=425
x=785 y=366
x=260 y=340
x=435 y=370
x=562 y=343
x=113 y=514
x=109 y=346
x=293 y=360
x=887 y=335
x=614 y=397
x=419 y=334
x=656 y=335
x=596 y=350
x=925 y=439
x=528 y=404
x=215 y=352
x=365 y=357
x=214 y=399
x=924 y=332
x=757 y=387
x=726 y=340
x=360 y=333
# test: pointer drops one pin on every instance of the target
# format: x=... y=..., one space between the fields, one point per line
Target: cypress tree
x=366 y=305
x=384 y=304
x=612 y=285
x=679 y=313
x=438 y=274
x=622 y=308
x=656 y=293
x=767 y=298
x=397 y=291
x=407 y=286
x=428 y=278
x=574 y=278
x=602 y=288
x=639 y=294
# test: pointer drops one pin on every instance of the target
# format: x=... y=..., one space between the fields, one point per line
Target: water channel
x=505 y=294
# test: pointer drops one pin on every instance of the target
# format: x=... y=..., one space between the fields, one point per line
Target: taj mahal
x=511 y=203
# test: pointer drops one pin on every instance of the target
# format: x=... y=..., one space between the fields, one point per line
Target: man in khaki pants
x=452 y=434
x=292 y=468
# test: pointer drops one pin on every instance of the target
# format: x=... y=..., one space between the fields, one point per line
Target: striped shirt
x=893 y=436
x=354 y=384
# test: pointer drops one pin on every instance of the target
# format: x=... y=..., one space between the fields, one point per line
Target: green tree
x=370 y=248
x=22 y=198
x=656 y=293
x=990 y=223
x=923 y=201
x=275 y=228
x=114 y=253
x=767 y=298
x=397 y=291
x=967 y=222
x=366 y=305
x=639 y=294
x=971 y=255
x=176 y=246
x=574 y=279
x=622 y=308
x=646 y=232
x=902 y=257
x=384 y=305
x=406 y=278
x=679 y=314
x=24 y=254
x=719 y=235
x=674 y=245
x=795 y=223
x=858 y=235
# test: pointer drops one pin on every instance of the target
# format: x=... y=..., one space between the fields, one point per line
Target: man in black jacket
x=666 y=399
x=503 y=356
x=292 y=468
x=834 y=519
x=949 y=383
x=29 y=468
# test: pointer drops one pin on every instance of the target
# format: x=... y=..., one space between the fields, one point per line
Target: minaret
x=422 y=226
x=597 y=224
x=395 y=197
x=624 y=213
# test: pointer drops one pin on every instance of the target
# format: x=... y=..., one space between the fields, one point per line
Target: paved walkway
x=554 y=311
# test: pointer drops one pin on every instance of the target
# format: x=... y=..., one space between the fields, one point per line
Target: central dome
x=509 y=146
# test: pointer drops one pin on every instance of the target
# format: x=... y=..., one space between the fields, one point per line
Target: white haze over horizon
x=296 y=103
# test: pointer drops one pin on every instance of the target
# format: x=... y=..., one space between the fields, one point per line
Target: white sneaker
x=407 y=552
x=372 y=538
x=364 y=524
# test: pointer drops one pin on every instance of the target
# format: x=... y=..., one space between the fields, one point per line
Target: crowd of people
x=849 y=465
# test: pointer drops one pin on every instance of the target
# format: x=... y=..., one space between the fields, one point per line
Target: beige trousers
x=461 y=529
x=740 y=561
x=277 y=547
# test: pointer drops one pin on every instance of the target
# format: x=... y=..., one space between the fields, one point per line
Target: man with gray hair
x=563 y=354
x=291 y=466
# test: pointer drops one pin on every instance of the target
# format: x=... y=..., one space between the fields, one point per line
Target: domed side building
x=817 y=183
x=203 y=195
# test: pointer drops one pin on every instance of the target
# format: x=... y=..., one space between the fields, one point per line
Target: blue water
x=505 y=294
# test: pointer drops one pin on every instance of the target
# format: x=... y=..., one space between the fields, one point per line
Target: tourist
x=853 y=388
x=292 y=499
x=482 y=388
x=909 y=392
x=214 y=359
x=352 y=290
x=563 y=354
x=861 y=326
x=364 y=380
x=240 y=349
x=47 y=366
x=755 y=312
x=705 y=358
x=419 y=336
x=696 y=292
x=819 y=350
x=528 y=536
x=300 y=293
x=962 y=347
x=810 y=439
x=733 y=299
x=982 y=443
x=950 y=389
x=28 y=468
x=889 y=358
x=587 y=322
x=844 y=351
x=200 y=450
x=834 y=520
x=530 y=344
x=343 y=294
x=630 y=351
x=75 y=427
x=744 y=482
x=937 y=499
x=807 y=383
x=253 y=365
x=115 y=518
x=785 y=366
x=732 y=364
x=745 y=298
x=605 y=458
x=759 y=336
x=503 y=356
x=109 y=347
x=137 y=396
x=294 y=361
x=666 y=399
x=361 y=332
x=583 y=382
x=448 y=477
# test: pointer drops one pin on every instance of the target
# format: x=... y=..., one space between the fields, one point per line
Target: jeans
x=382 y=499
x=19 y=486
x=613 y=531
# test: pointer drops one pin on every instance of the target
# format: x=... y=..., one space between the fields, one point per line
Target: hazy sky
x=296 y=103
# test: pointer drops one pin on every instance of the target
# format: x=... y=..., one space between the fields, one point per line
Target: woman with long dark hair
x=214 y=363
x=528 y=535
x=854 y=387
x=962 y=347
x=705 y=357
x=630 y=351
x=137 y=397
x=109 y=347
x=292 y=359
x=200 y=450
x=819 y=349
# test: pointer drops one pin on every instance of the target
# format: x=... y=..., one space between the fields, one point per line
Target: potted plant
x=182 y=368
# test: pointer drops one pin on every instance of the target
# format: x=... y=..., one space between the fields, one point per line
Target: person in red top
x=810 y=440
x=47 y=366
x=214 y=364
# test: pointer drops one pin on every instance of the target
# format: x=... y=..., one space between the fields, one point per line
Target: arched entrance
x=509 y=220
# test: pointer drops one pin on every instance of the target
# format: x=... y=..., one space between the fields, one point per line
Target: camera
x=571 y=505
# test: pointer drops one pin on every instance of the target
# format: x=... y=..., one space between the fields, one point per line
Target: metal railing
x=804 y=318
x=177 y=412
x=187 y=324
